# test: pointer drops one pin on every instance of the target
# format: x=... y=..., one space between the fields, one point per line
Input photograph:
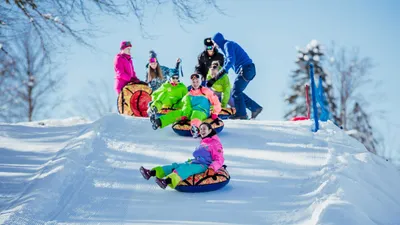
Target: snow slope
x=78 y=172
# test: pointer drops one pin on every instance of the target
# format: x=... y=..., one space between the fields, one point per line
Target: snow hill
x=78 y=172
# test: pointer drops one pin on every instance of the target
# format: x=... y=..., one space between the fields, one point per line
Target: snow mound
x=78 y=172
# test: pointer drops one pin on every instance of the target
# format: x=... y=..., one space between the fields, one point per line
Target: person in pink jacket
x=208 y=157
x=123 y=66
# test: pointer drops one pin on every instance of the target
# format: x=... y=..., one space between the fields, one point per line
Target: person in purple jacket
x=237 y=59
x=208 y=157
x=123 y=67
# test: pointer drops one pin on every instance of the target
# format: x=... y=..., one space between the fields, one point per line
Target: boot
x=236 y=117
x=163 y=182
x=156 y=122
x=255 y=113
x=147 y=173
x=195 y=131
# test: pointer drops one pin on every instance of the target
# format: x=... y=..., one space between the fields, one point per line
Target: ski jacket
x=204 y=62
x=210 y=153
x=202 y=99
x=223 y=85
x=124 y=71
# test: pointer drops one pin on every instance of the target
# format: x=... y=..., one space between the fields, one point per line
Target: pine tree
x=297 y=99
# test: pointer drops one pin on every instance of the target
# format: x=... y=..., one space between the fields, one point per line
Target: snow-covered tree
x=53 y=20
x=27 y=91
x=351 y=75
x=313 y=53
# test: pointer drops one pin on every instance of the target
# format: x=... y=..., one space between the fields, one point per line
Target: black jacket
x=204 y=62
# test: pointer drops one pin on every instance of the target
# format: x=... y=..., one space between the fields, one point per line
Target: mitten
x=210 y=172
x=214 y=116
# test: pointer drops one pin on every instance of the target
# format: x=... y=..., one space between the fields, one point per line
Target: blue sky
x=269 y=30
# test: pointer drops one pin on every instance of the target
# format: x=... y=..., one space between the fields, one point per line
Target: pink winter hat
x=125 y=44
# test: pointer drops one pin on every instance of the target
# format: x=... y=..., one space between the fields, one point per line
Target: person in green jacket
x=222 y=87
x=169 y=95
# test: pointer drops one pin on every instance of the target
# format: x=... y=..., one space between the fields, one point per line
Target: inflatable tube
x=202 y=182
x=298 y=118
x=183 y=128
x=133 y=100
x=226 y=113
x=163 y=112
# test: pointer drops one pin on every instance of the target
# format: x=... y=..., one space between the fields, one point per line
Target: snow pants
x=242 y=101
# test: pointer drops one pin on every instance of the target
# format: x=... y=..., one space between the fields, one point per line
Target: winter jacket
x=124 y=71
x=210 y=153
x=235 y=56
x=155 y=83
x=204 y=62
x=202 y=99
x=222 y=85
x=168 y=95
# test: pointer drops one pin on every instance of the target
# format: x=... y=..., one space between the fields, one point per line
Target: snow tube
x=226 y=113
x=164 y=111
x=297 y=118
x=202 y=182
x=183 y=128
x=133 y=100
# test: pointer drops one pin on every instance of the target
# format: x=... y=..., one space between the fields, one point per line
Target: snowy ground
x=78 y=172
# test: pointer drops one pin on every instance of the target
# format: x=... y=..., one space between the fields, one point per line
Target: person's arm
x=200 y=67
x=187 y=106
x=120 y=70
x=213 y=100
x=217 y=155
x=226 y=94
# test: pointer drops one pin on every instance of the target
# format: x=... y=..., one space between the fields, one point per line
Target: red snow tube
x=133 y=100
x=297 y=118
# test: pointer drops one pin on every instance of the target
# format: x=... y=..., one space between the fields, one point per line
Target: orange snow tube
x=133 y=100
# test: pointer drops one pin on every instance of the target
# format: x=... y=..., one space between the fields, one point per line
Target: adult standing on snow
x=237 y=59
x=123 y=67
x=205 y=58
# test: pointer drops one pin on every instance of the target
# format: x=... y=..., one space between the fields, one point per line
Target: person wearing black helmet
x=206 y=57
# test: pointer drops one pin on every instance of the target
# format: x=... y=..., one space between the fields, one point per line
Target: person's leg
x=237 y=93
x=183 y=171
x=162 y=171
x=197 y=117
x=242 y=101
x=170 y=118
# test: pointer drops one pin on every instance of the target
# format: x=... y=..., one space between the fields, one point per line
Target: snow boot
x=195 y=131
x=163 y=182
x=147 y=173
x=156 y=122
x=235 y=117
x=255 y=113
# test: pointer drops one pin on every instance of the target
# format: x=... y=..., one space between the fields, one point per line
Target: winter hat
x=219 y=39
x=208 y=42
x=173 y=72
x=125 y=44
x=152 y=56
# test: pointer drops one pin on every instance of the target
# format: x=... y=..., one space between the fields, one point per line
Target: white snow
x=79 y=172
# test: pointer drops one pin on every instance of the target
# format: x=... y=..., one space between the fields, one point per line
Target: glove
x=210 y=172
x=214 y=116
x=183 y=118
x=211 y=82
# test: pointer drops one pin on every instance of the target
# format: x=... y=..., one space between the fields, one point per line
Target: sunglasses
x=195 y=75
x=210 y=47
x=214 y=67
x=175 y=78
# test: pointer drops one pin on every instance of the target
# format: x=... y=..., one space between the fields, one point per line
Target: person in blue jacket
x=237 y=59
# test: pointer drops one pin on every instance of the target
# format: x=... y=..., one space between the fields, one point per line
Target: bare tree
x=351 y=77
x=95 y=100
x=27 y=91
x=52 y=19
